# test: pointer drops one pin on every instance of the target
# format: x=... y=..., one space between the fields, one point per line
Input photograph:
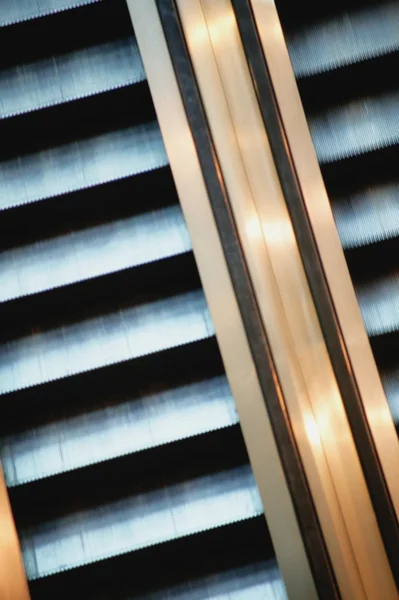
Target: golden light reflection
x=278 y=232
x=328 y=412
x=199 y=34
x=265 y=11
x=222 y=26
x=312 y=430
x=254 y=228
x=217 y=29
x=331 y=422
x=380 y=416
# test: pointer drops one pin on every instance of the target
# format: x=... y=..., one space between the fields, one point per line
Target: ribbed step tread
x=140 y=521
x=368 y=216
x=390 y=380
x=116 y=200
x=68 y=305
x=379 y=303
x=257 y=582
x=64 y=78
x=58 y=33
x=81 y=165
x=103 y=340
x=362 y=126
x=76 y=121
x=15 y=11
x=185 y=559
x=53 y=498
x=92 y=252
x=120 y=439
x=112 y=431
x=348 y=38
x=33 y=407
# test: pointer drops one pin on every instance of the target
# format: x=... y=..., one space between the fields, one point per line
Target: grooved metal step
x=119 y=437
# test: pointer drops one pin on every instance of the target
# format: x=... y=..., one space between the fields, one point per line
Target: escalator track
x=345 y=57
x=119 y=438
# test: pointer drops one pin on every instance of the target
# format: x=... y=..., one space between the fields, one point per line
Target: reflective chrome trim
x=310 y=389
x=317 y=203
x=13 y=583
x=223 y=306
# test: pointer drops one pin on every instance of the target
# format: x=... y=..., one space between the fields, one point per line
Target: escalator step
x=136 y=522
x=81 y=165
x=120 y=440
x=160 y=568
x=70 y=76
x=356 y=128
x=115 y=430
x=351 y=36
x=92 y=252
x=120 y=335
x=13 y=11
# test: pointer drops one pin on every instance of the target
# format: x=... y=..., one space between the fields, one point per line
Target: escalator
x=345 y=57
x=119 y=438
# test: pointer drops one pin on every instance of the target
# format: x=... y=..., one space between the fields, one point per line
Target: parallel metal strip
x=243 y=289
x=335 y=341
x=328 y=243
x=311 y=392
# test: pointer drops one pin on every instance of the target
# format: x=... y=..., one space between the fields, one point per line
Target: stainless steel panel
x=369 y=134
x=311 y=394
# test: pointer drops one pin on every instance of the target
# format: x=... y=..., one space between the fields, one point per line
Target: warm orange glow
x=199 y=34
x=312 y=431
x=278 y=232
x=254 y=228
x=217 y=29
x=380 y=416
x=222 y=26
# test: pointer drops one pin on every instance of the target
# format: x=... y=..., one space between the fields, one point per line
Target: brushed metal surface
x=302 y=361
x=218 y=289
x=325 y=231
